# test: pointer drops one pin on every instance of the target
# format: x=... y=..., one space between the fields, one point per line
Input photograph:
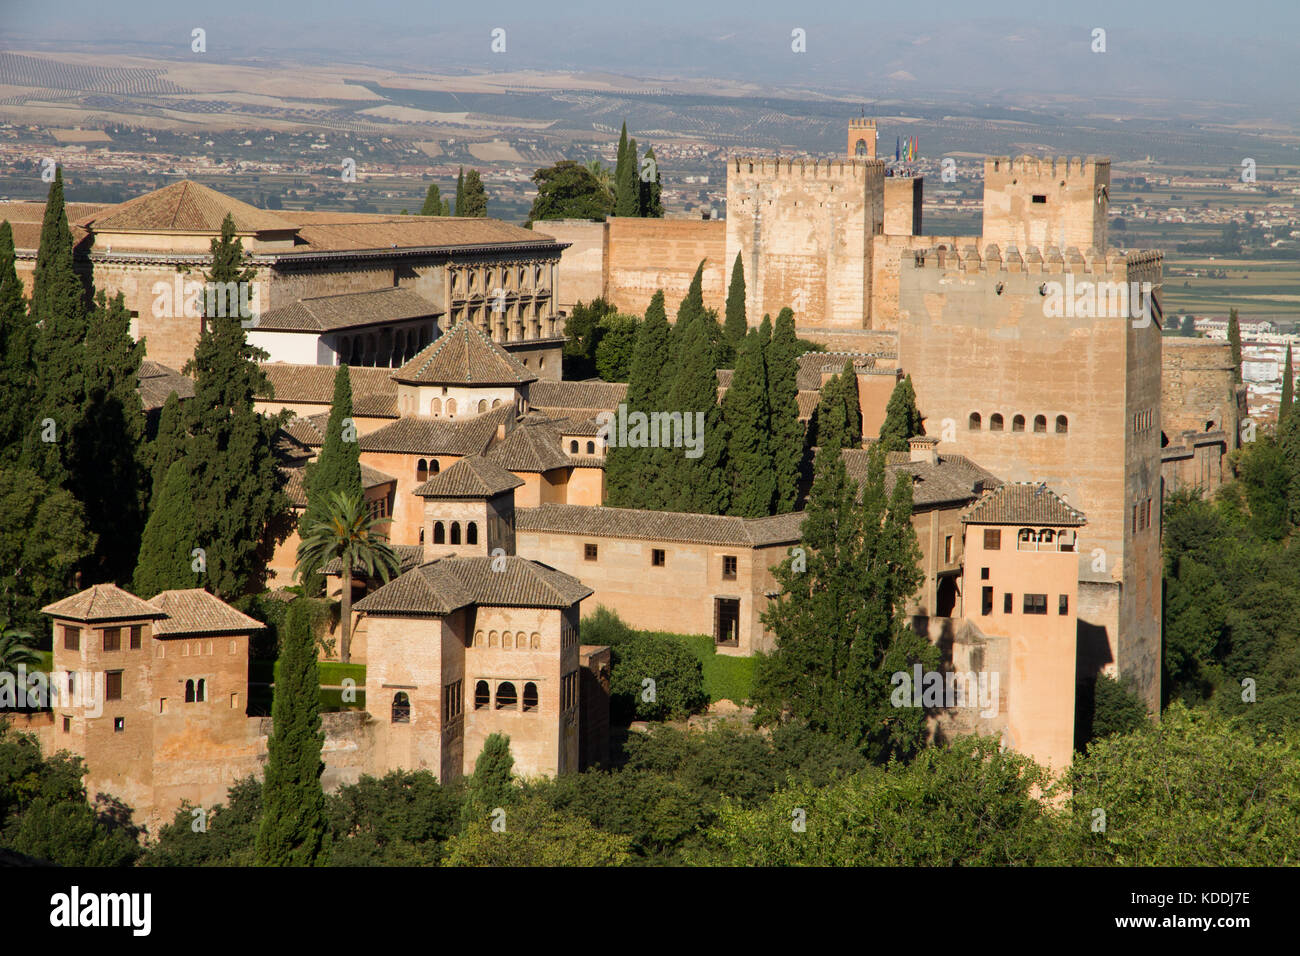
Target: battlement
x=862 y=123
x=744 y=167
x=1039 y=167
x=1137 y=265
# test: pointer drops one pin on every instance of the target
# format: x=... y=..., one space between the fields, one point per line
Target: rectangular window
x=729 y=567
x=657 y=557
x=589 y=552
x=1135 y=519
x=947 y=549
x=1035 y=603
x=726 y=621
x=113 y=685
x=162 y=705
x=137 y=634
x=1040 y=198
x=984 y=574
x=112 y=638
x=1006 y=603
x=986 y=607
x=451 y=701
x=67 y=725
x=992 y=539
x=1063 y=605
x=119 y=724
x=72 y=638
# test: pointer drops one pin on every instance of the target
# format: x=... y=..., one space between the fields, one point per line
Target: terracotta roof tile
x=157 y=382
x=296 y=485
x=184 y=206
x=329 y=313
x=443 y=585
x=103 y=602
x=464 y=356
x=601 y=522
x=314 y=384
x=195 y=611
x=323 y=231
x=439 y=436
x=600 y=396
x=531 y=447
x=472 y=477
x=1024 y=503
x=955 y=479
x=813 y=365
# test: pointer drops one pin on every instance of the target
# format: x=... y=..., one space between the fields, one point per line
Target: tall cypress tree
x=787 y=431
x=749 y=452
x=460 y=192
x=58 y=308
x=166 y=559
x=698 y=484
x=1288 y=388
x=492 y=784
x=632 y=475
x=17 y=336
x=627 y=180
x=651 y=200
x=902 y=420
x=293 y=829
x=736 y=326
x=621 y=163
x=240 y=508
x=108 y=475
x=170 y=444
x=1234 y=341
x=338 y=468
x=476 y=197
x=434 y=204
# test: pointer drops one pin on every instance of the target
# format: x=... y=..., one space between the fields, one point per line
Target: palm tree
x=15 y=649
x=602 y=174
x=348 y=533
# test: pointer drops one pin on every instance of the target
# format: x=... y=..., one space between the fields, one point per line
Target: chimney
x=923 y=449
x=501 y=431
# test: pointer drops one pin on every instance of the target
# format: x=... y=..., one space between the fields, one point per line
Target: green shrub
x=677 y=688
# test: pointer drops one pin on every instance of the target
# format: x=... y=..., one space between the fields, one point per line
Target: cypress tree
x=108 y=475
x=787 y=432
x=902 y=420
x=166 y=548
x=170 y=444
x=651 y=199
x=240 y=508
x=620 y=170
x=338 y=467
x=58 y=309
x=434 y=204
x=476 y=198
x=632 y=478
x=294 y=828
x=17 y=336
x=852 y=406
x=1234 y=341
x=627 y=180
x=1288 y=388
x=698 y=484
x=460 y=192
x=736 y=325
x=749 y=452
x=492 y=783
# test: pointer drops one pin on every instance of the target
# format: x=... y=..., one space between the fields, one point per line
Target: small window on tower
x=1040 y=198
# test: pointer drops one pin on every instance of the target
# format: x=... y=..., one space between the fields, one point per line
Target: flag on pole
x=897 y=146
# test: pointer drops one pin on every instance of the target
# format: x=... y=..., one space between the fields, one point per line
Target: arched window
x=189 y=692
x=1040 y=424
x=478 y=638
x=975 y=422
x=421 y=536
x=434 y=466
x=439 y=533
x=995 y=422
x=1018 y=423
x=573 y=448
x=1046 y=536
x=435 y=407
x=482 y=404
x=200 y=691
x=507 y=697
x=455 y=532
x=422 y=470
x=482 y=696
x=401 y=708
x=591 y=448
x=1025 y=540
x=496 y=402
x=492 y=638
x=507 y=639
x=530 y=696
x=535 y=640
x=1062 y=425
x=471 y=532
x=451 y=408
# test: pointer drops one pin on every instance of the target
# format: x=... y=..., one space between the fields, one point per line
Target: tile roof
x=601 y=396
x=296 y=485
x=103 y=602
x=322 y=231
x=464 y=356
x=350 y=310
x=195 y=611
x=601 y=522
x=25 y=218
x=813 y=365
x=472 y=477
x=1024 y=503
x=532 y=447
x=408 y=555
x=314 y=384
x=954 y=479
x=184 y=206
x=157 y=382
x=439 y=436
x=445 y=584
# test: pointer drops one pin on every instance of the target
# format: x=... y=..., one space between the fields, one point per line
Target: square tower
x=1046 y=202
x=862 y=139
